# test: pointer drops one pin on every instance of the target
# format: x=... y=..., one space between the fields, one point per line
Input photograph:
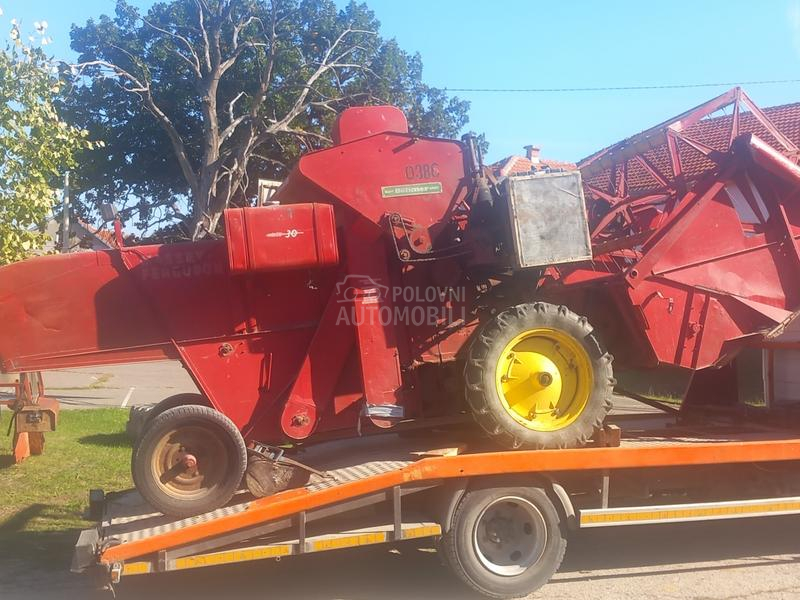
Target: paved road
x=147 y=383
x=118 y=385
x=701 y=561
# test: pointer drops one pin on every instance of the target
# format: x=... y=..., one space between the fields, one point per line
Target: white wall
x=786 y=368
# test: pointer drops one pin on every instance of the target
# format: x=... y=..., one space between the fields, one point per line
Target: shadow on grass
x=36 y=547
x=21 y=518
x=111 y=440
x=6 y=461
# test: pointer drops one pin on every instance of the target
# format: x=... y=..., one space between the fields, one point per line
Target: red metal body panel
x=357 y=173
x=694 y=229
x=361 y=122
x=278 y=238
x=383 y=162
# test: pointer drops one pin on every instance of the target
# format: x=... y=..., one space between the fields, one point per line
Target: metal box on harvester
x=279 y=238
x=548 y=219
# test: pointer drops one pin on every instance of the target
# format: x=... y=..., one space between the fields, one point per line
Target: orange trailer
x=500 y=518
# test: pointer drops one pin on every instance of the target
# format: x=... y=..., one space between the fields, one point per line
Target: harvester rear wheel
x=537 y=377
x=190 y=460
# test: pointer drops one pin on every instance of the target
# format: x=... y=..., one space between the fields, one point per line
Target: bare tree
x=236 y=126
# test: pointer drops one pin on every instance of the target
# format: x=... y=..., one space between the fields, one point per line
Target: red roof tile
x=520 y=165
x=713 y=132
x=104 y=235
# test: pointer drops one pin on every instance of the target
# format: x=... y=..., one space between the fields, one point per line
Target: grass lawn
x=43 y=498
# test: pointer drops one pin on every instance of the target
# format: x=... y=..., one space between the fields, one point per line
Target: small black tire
x=209 y=436
x=485 y=352
x=467 y=542
x=140 y=417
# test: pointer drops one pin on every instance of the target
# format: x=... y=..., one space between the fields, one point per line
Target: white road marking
x=127 y=397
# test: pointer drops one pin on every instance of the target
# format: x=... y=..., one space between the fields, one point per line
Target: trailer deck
x=369 y=489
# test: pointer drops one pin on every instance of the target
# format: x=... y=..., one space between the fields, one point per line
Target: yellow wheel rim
x=544 y=379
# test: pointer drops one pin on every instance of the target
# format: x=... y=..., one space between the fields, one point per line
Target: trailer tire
x=162 y=471
x=505 y=542
x=565 y=363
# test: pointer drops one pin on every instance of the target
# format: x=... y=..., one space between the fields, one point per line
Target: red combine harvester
x=390 y=281
x=301 y=327
x=694 y=228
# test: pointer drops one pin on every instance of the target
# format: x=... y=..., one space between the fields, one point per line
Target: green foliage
x=288 y=39
x=36 y=145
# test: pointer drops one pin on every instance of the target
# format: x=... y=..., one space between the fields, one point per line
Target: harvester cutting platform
x=343 y=338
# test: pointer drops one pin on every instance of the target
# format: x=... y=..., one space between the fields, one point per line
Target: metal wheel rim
x=544 y=379
x=205 y=444
x=509 y=536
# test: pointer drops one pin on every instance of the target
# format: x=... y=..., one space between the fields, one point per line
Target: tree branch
x=194 y=62
x=325 y=65
x=142 y=89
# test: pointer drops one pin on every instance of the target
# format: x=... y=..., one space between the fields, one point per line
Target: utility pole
x=65 y=216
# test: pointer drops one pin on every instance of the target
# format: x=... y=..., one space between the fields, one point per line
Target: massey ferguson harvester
x=389 y=281
x=396 y=284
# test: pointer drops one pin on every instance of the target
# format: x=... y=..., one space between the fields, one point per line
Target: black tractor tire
x=141 y=416
x=211 y=438
x=513 y=558
x=480 y=377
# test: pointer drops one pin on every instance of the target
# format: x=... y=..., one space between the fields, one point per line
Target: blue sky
x=527 y=44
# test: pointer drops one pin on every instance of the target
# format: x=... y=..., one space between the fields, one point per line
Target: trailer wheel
x=505 y=542
x=537 y=377
x=190 y=460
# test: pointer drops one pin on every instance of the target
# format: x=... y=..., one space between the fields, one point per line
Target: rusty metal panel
x=37 y=418
x=548 y=219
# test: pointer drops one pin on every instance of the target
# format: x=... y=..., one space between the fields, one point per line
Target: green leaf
x=36 y=147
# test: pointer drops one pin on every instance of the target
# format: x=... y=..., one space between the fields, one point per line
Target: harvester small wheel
x=537 y=377
x=505 y=542
x=139 y=417
x=190 y=460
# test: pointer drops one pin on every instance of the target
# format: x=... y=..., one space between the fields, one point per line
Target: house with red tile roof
x=532 y=162
x=82 y=236
x=713 y=132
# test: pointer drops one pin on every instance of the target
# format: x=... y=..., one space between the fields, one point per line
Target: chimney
x=532 y=154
